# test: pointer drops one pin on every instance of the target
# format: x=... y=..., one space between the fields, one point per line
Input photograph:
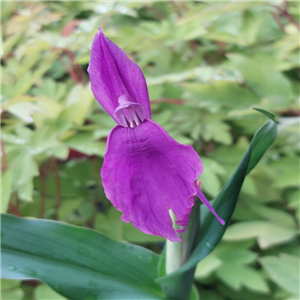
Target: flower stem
x=173 y=251
x=177 y=253
x=189 y=237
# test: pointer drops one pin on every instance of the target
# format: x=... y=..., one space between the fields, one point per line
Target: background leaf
x=284 y=271
x=206 y=65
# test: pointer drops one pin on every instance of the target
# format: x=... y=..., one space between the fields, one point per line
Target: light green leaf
x=25 y=110
x=237 y=256
x=25 y=190
x=236 y=276
x=262 y=78
x=216 y=130
x=6 y=185
x=44 y=292
x=83 y=97
x=10 y=42
x=84 y=142
x=61 y=151
x=194 y=293
x=10 y=290
x=23 y=165
x=42 y=139
x=251 y=26
x=284 y=271
x=66 y=118
x=267 y=233
x=67 y=207
x=14 y=294
x=275 y=215
x=207 y=266
x=210 y=183
x=225 y=93
x=7 y=284
x=111 y=225
x=203 y=73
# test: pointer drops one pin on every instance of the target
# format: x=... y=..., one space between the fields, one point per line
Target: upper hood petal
x=113 y=74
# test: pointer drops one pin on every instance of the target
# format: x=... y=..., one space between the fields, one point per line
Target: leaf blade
x=76 y=262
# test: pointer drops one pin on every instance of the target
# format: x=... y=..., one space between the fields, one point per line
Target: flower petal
x=208 y=205
x=145 y=173
x=113 y=74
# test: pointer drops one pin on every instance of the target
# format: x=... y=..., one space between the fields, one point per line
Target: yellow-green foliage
x=206 y=65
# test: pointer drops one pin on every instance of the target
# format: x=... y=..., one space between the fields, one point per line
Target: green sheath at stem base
x=177 y=253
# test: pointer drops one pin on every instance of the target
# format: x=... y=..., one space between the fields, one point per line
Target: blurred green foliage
x=206 y=65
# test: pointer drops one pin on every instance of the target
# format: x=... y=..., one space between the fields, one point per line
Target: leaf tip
x=265 y=112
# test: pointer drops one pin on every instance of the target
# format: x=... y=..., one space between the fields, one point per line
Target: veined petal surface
x=113 y=74
x=145 y=173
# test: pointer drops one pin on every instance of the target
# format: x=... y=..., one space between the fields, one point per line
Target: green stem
x=177 y=253
x=189 y=237
x=173 y=251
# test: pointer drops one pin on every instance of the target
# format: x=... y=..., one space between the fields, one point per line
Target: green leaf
x=44 y=292
x=231 y=255
x=10 y=43
x=83 y=142
x=14 y=294
x=61 y=151
x=216 y=130
x=111 y=225
x=266 y=112
x=207 y=266
x=284 y=271
x=6 y=185
x=229 y=262
x=211 y=230
x=199 y=72
x=10 y=290
x=77 y=263
x=262 y=78
x=221 y=92
x=278 y=216
x=267 y=233
x=68 y=207
x=210 y=182
x=251 y=27
x=194 y=293
x=66 y=118
x=25 y=190
x=76 y=95
x=42 y=139
x=236 y=276
x=24 y=167
x=7 y=284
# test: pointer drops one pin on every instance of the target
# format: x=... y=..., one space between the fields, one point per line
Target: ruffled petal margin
x=145 y=173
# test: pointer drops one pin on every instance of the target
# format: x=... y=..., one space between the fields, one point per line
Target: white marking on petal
x=129 y=113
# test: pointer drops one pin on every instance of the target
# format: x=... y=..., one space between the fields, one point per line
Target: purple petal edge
x=208 y=205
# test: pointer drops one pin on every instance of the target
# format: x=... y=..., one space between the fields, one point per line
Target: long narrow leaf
x=76 y=262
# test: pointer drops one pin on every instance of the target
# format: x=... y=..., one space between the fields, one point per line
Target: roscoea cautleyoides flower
x=145 y=172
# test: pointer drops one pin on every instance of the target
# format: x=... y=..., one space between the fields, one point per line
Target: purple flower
x=145 y=172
